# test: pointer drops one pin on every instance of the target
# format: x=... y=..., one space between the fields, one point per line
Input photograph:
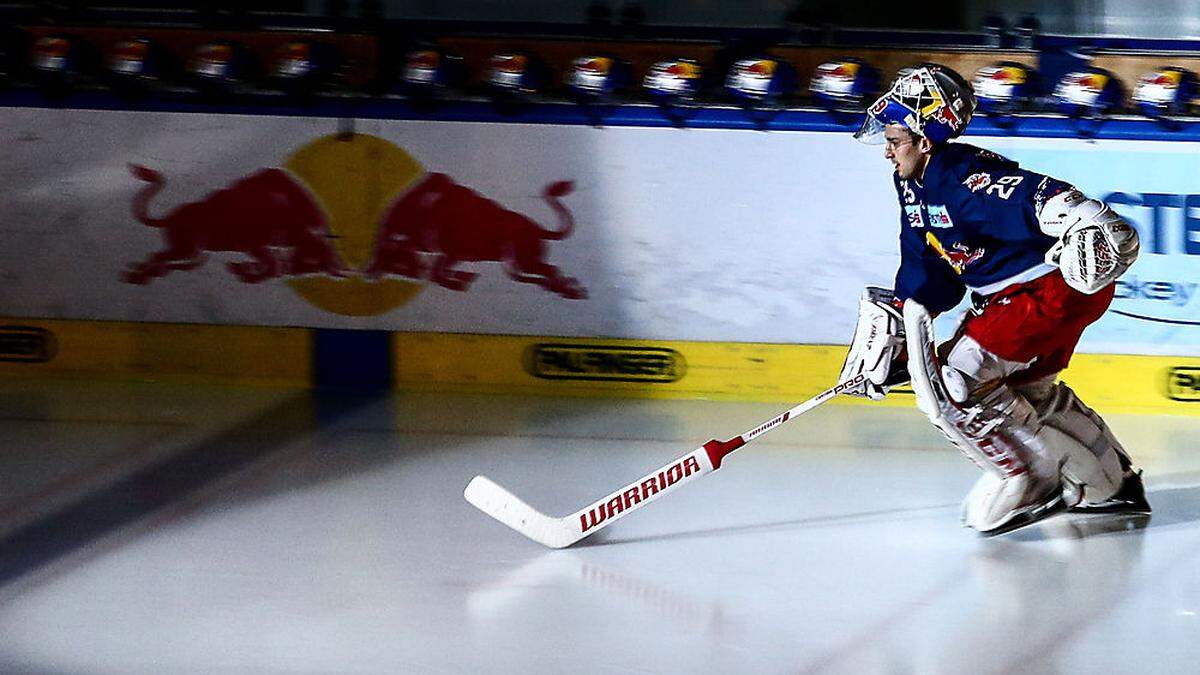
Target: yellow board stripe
x=40 y=348
x=716 y=370
x=548 y=366
x=738 y=371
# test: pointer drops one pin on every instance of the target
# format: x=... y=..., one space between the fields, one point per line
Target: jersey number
x=1003 y=188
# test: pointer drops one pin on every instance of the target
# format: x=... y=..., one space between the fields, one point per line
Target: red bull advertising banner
x=426 y=226
x=511 y=229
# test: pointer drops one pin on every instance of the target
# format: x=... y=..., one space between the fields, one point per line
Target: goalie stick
x=489 y=497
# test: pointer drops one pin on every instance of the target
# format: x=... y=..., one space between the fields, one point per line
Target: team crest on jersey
x=978 y=181
x=959 y=255
x=913 y=213
x=910 y=197
x=939 y=216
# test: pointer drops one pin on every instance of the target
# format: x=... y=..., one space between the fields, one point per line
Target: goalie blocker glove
x=877 y=350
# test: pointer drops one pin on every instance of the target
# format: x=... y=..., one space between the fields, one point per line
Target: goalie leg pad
x=943 y=395
x=989 y=423
x=1093 y=461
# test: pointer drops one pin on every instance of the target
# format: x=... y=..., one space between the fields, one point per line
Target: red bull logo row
x=306 y=220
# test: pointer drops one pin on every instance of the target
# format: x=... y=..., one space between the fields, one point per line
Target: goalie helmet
x=930 y=100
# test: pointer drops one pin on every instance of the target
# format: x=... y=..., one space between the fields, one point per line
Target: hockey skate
x=1050 y=505
x=1130 y=498
x=999 y=505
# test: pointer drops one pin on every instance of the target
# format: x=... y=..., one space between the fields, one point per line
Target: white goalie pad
x=878 y=345
x=1095 y=245
x=1091 y=454
x=978 y=430
x=1029 y=454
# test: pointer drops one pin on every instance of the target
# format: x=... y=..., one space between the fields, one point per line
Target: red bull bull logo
x=49 y=53
x=1081 y=88
x=294 y=59
x=683 y=70
x=945 y=114
x=420 y=67
x=999 y=82
x=1168 y=78
x=349 y=247
x=129 y=56
x=959 y=255
x=599 y=65
x=514 y=64
x=842 y=71
x=257 y=216
x=453 y=224
x=1159 y=87
x=762 y=68
x=977 y=181
x=424 y=60
x=214 y=54
x=1009 y=75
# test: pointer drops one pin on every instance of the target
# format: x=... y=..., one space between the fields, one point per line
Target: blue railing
x=629 y=115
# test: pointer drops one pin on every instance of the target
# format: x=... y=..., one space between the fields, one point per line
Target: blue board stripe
x=352 y=359
x=628 y=115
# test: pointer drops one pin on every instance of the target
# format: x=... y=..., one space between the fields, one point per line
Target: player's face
x=907 y=152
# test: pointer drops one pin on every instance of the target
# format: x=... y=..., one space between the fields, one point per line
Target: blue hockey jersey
x=970 y=223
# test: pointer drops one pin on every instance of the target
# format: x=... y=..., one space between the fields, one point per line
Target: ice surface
x=330 y=536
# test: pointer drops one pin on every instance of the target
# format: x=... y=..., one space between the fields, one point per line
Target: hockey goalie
x=1040 y=260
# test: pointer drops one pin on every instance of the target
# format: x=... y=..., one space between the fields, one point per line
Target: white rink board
x=717 y=235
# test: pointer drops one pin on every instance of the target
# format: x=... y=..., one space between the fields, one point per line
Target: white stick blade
x=488 y=496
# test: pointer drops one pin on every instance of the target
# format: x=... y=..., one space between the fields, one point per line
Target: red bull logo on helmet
x=998 y=82
x=594 y=65
x=511 y=72
x=1158 y=87
x=683 y=69
x=835 y=78
x=421 y=66
x=842 y=70
x=591 y=73
x=761 y=68
x=212 y=59
x=50 y=53
x=677 y=77
x=945 y=114
x=294 y=59
x=346 y=246
x=1081 y=88
x=425 y=58
x=129 y=56
x=752 y=76
x=509 y=63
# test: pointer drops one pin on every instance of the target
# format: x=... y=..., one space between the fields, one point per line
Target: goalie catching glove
x=877 y=350
x=1094 y=247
